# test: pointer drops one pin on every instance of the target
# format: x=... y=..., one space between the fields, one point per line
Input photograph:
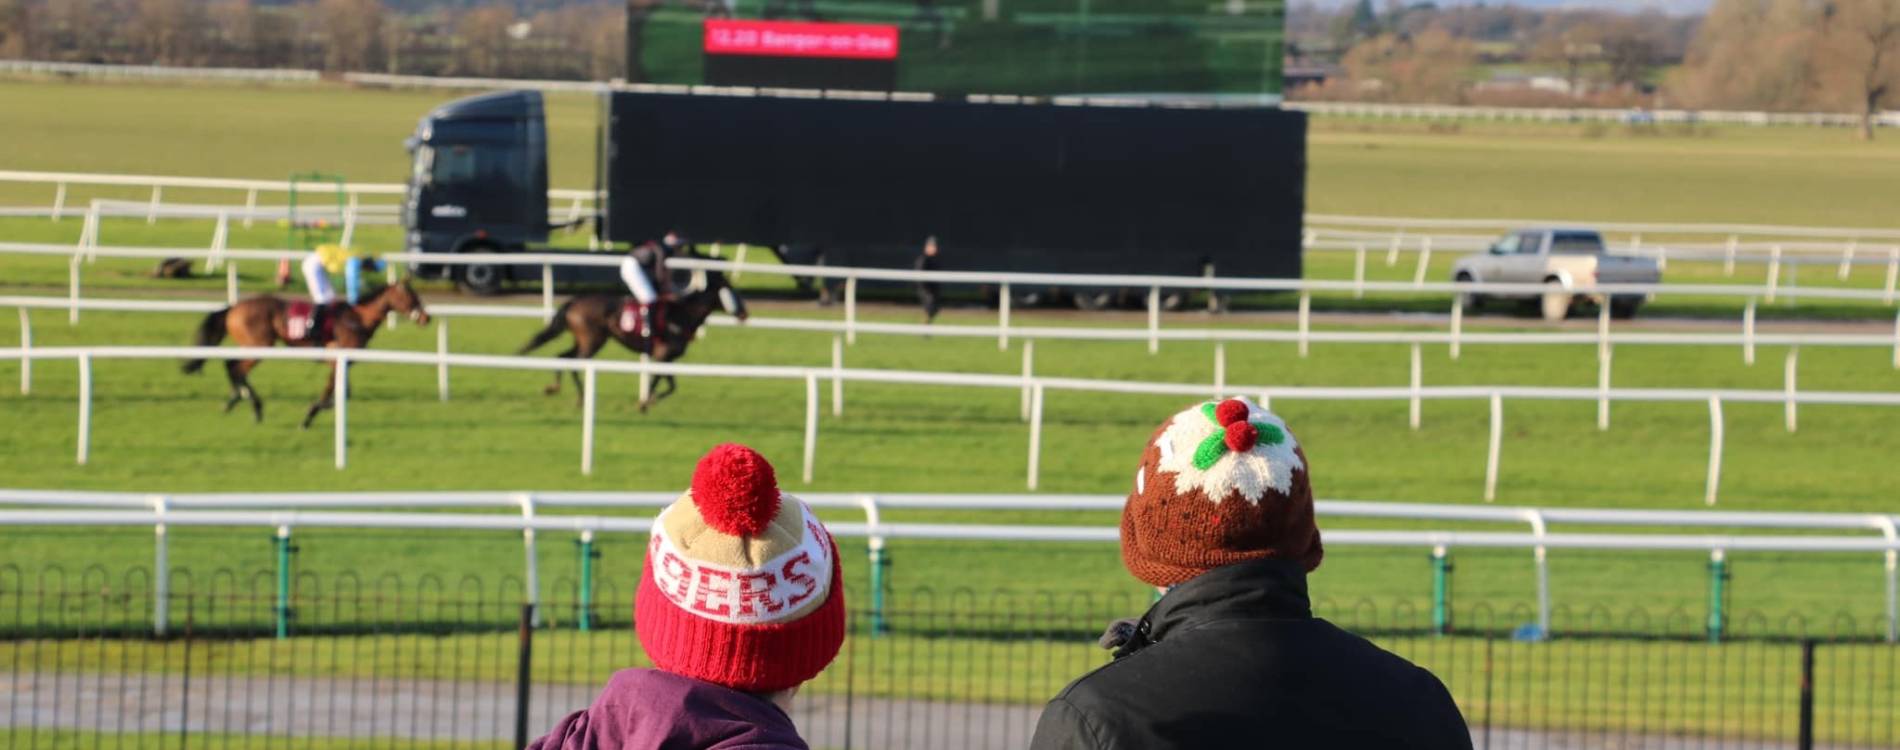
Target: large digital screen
x=801 y=54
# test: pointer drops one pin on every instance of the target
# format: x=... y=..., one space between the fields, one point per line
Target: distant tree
x=1432 y=66
x=1752 y=54
x=16 y=28
x=352 y=33
x=1858 y=59
x=1630 y=45
x=482 y=39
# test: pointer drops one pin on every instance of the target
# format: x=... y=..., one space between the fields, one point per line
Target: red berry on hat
x=735 y=490
x=1230 y=411
x=1242 y=436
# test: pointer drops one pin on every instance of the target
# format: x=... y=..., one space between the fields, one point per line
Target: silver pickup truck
x=1563 y=260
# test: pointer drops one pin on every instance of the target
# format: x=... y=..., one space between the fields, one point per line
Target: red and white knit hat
x=742 y=586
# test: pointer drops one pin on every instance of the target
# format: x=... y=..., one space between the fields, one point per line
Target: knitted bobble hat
x=1219 y=483
x=742 y=585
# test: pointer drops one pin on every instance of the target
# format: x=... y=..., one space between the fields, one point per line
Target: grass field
x=154 y=429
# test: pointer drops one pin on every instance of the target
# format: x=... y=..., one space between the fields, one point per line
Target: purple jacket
x=646 y=709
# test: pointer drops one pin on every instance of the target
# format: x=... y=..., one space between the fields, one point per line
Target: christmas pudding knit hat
x=1219 y=483
x=742 y=585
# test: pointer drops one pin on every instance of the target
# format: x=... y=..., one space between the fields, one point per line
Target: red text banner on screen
x=801 y=39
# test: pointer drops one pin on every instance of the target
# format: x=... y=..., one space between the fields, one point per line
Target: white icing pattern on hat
x=1250 y=456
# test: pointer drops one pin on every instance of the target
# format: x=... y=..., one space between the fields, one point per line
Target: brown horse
x=264 y=320
x=595 y=319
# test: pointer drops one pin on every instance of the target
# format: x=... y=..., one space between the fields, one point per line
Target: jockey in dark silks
x=645 y=273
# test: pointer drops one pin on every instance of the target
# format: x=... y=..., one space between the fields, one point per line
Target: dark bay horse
x=264 y=320
x=595 y=319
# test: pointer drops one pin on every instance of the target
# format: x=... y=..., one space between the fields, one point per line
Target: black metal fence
x=341 y=662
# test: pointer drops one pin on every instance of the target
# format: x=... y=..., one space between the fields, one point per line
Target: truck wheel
x=480 y=279
x=1471 y=301
x=1623 y=308
x=1555 y=304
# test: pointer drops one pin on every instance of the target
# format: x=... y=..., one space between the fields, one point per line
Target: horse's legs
x=589 y=347
x=663 y=386
x=555 y=387
x=239 y=373
x=233 y=373
x=324 y=401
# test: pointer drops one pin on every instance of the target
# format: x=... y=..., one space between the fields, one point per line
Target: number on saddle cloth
x=306 y=322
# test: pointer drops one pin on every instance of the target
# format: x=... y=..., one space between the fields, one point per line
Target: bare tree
x=16 y=28
x=482 y=37
x=1752 y=54
x=1859 y=57
x=1431 y=66
x=352 y=33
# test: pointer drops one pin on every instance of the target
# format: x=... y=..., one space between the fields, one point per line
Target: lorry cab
x=478 y=182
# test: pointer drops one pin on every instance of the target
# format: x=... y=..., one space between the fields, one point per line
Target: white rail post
x=1603 y=327
x=1891 y=531
x=85 y=407
x=1774 y=272
x=1715 y=450
x=1788 y=384
x=738 y=262
x=1457 y=325
x=25 y=352
x=1035 y=436
x=531 y=583
x=230 y=283
x=1603 y=388
x=1418 y=383
x=1497 y=444
x=342 y=410
x=1893 y=272
x=442 y=359
x=161 y=570
x=349 y=222
x=1029 y=368
x=72 y=314
x=59 y=201
x=646 y=377
x=851 y=310
x=588 y=381
x=1306 y=320
x=1540 y=556
x=1896 y=341
x=1392 y=254
x=811 y=423
x=1220 y=369
x=1002 y=318
x=1847 y=259
x=1154 y=319
x=1636 y=243
x=89 y=231
x=837 y=375
x=547 y=291
x=1728 y=256
x=1424 y=261
x=1748 y=332
x=1266 y=401
x=250 y=206
x=1359 y=271
x=151 y=216
x=220 y=239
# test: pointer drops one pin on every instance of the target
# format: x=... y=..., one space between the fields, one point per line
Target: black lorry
x=1005 y=184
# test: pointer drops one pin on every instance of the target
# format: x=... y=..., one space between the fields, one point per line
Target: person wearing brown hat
x=1221 y=521
x=740 y=602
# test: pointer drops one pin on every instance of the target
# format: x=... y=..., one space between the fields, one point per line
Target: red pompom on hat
x=735 y=490
x=1230 y=411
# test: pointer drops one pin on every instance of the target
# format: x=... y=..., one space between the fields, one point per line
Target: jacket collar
x=1257 y=589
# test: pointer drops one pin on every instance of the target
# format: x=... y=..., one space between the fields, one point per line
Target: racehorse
x=595 y=318
x=264 y=320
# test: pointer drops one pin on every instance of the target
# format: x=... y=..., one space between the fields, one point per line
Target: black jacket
x=1235 y=659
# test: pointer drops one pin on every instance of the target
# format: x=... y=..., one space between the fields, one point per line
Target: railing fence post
x=646 y=377
x=811 y=423
x=547 y=291
x=1392 y=253
x=1748 y=332
x=250 y=206
x=1002 y=320
x=589 y=397
x=1035 y=435
x=1220 y=369
x=1497 y=445
x=837 y=376
x=1540 y=557
x=1029 y=370
x=349 y=222
x=220 y=237
x=151 y=215
x=1306 y=320
x=1154 y=319
x=59 y=200
x=531 y=582
x=85 y=407
x=161 y=569
x=1359 y=271
x=442 y=359
x=342 y=410
x=851 y=309
x=230 y=282
x=1441 y=590
x=1603 y=387
x=25 y=352
x=1891 y=529
x=1457 y=325
x=584 y=619
x=1788 y=385
x=72 y=315
x=281 y=545
x=1728 y=256
x=1893 y=272
x=1603 y=327
x=1847 y=259
x=1418 y=384
x=1424 y=261
x=1896 y=341
x=1715 y=450
x=1774 y=272
x=1718 y=596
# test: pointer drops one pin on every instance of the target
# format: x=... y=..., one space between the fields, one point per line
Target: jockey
x=317 y=267
x=644 y=271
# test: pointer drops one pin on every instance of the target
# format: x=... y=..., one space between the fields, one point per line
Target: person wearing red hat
x=740 y=602
x=1221 y=522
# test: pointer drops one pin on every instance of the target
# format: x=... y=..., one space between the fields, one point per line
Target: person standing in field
x=741 y=602
x=929 y=293
x=1221 y=521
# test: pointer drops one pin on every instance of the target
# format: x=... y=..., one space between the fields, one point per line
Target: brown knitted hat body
x=1219 y=483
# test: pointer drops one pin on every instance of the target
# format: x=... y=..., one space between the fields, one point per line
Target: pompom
x=735 y=490
x=1230 y=411
x=1241 y=436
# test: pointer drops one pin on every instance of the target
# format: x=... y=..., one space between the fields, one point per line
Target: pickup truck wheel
x=1471 y=301
x=1555 y=304
x=480 y=279
x=1624 y=308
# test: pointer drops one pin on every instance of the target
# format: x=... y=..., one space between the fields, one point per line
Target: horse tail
x=557 y=325
x=210 y=333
